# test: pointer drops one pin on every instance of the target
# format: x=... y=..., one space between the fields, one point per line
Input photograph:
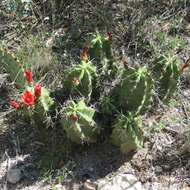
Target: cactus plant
x=127 y=133
x=43 y=106
x=166 y=72
x=100 y=51
x=100 y=46
x=45 y=100
x=13 y=67
x=134 y=90
x=78 y=123
x=81 y=77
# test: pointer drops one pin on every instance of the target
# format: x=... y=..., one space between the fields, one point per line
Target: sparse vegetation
x=87 y=74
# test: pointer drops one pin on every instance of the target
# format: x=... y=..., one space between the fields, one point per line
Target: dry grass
x=142 y=30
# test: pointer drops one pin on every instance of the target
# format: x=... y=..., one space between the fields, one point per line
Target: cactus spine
x=134 y=91
x=78 y=123
x=127 y=133
x=167 y=73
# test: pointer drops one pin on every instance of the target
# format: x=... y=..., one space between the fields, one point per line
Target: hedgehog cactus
x=134 y=91
x=78 y=123
x=100 y=47
x=45 y=100
x=127 y=133
x=167 y=73
x=100 y=52
x=13 y=67
x=42 y=108
x=81 y=77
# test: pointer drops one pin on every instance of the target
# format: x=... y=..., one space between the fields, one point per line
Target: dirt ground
x=164 y=161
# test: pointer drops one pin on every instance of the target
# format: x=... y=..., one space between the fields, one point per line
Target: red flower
x=74 y=117
x=28 y=76
x=14 y=104
x=84 y=53
x=37 y=90
x=28 y=98
x=109 y=36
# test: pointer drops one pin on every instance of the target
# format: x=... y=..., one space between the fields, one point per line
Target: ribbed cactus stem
x=13 y=67
x=127 y=133
x=100 y=51
x=166 y=72
x=78 y=123
x=80 y=78
x=134 y=91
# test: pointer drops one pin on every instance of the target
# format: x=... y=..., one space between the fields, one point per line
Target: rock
x=2 y=78
x=120 y=182
x=17 y=168
x=14 y=175
x=88 y=185
x=29 y=172
x=59 y=187
x=49 y=42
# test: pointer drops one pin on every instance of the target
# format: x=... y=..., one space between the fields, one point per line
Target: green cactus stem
x=134 y=91
x=13 y=67
x=81 y=78
x=100 y=52
x=78 y=123
x=166 y=72
x=40 y=114
x=127 y=133
x=100 y=46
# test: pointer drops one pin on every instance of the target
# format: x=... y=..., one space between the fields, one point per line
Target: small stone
x=59 y=187
x=88 y=185
x=49 y=42
x=14 y=175
x=158 y=169
x=46 y=18
x=120 y=182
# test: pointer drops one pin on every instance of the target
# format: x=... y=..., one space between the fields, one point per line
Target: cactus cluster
x=38 y=108
x=131 y=93
x=77 y=121
x=117 y=91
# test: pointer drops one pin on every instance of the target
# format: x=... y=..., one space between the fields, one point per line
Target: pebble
x=14 y=175
x=88 y=185
x=120 y=182
x=59 y=187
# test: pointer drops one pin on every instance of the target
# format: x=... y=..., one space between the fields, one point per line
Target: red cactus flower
x=125 y=63
x=14 y=104
x=185 y=65
x=109 y=36
x=28 y=76
x=28 y=98
x=74 y=117
x=37 y=90
x=84 y=53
